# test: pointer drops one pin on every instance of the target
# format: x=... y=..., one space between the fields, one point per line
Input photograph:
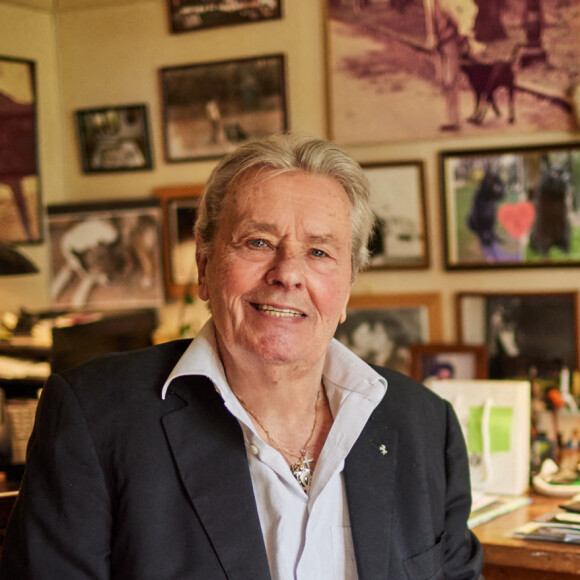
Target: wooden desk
x=509 y=558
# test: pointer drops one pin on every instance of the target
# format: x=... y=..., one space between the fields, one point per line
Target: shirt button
x=254 y=449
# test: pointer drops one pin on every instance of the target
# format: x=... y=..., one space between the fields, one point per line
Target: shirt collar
x=343 y=369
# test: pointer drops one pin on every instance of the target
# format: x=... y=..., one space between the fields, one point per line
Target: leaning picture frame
x=190 y=16
x=106 y=255
x=381 y=327
x=448 y=361
x=506 y=208
x=20 y=185
x=114 y=139
x=398 y=200
x=209 y=108
x=527 y=334
x=179 y=204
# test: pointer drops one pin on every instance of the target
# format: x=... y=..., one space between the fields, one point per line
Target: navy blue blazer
x=120 y=484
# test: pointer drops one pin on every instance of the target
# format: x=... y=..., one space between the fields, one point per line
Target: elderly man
x=264 y=448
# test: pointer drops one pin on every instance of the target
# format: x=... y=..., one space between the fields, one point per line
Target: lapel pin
x=383 y=449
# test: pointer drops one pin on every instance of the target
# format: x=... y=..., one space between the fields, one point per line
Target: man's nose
x=287 y=269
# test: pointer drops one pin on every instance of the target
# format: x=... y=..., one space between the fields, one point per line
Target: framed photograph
x=380 y=328
x=526 y=334
x=106 y=255
x=448 y=361
x=398 y=200
x=187 y=16
x=20 y=201
x=396 y=73
x=179 y=203
x=514 y=207
x=114 y=139
x=210 y=108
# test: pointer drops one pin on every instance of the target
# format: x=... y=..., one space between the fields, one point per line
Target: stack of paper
x=555 y=526
x=486 y=507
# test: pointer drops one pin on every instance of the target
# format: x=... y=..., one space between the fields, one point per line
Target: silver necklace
x=301 y=469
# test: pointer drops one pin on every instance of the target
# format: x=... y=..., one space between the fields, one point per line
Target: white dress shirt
x=307 y=537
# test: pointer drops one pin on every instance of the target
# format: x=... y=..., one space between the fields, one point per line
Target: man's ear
x=343 y=313
x=201 y=260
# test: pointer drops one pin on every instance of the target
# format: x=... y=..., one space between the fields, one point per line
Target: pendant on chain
x=302 y=472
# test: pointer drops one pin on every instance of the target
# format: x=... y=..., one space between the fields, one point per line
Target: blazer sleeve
x=61 y=523
x=463 y=552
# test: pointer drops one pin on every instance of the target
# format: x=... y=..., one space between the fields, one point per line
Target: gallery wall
x=111 y=55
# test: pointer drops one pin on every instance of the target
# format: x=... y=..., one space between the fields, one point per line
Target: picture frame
x=398 y=200
x=179 y=204
x=527 y=334
x=381 y=327
x=20 y=185
x=113 y=139
x=210 y=108
x=188 y=17
x=448 y=361
x=387 y=62
x=507 y=208
x=106 y=255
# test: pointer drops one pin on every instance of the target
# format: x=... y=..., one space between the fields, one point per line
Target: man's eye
x=318 y=253
x=259 y=243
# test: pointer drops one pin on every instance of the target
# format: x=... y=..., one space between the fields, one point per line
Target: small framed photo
x=114 y=139
x=380 y=328
x=20 y=198
x=529 y=334
x=448 y=361
x=210 y=108
x=179 y=205
x=398 y=200
x=512 y=207
x=106 y=255
x=187 y=16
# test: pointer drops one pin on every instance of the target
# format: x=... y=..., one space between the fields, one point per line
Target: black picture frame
x=113 y=139
x=189 y=16
x=21 y=210
x=511 y=207
x=209 y=108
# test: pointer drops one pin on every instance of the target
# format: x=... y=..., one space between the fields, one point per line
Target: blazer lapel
x=208 y=447
x=369 y=475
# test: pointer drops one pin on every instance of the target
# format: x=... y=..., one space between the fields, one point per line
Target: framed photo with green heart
x=506 y=208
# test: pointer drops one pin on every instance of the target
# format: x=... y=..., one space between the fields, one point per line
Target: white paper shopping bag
x=495 y=419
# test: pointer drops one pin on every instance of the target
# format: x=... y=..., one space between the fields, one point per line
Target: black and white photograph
x=417 y=69
x=512 y=207
x=106 y=255
x=398 y=199
x=211 y=108
x=114 y=139
x=381 y=328
x=191 y=15
x=527 y=334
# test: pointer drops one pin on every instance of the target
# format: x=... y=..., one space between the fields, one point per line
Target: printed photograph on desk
x=398 y=200
x=528 y=335
x=506 y=208
x=114 y=139
x=106 y=255
x=418 y=69
x=211 y=108
x=380 y=328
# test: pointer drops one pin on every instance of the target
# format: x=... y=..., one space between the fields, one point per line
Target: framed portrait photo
x=380 y=328
x=114 y=139
x=210 y=108
x=527 y=334
x=187 y=16
x=448 y=361
x=20 y=198
x=398 y=200
x=106 y=255
x=179 y=203
x=506 y=208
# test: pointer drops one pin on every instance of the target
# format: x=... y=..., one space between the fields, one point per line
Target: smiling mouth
x=278 y=312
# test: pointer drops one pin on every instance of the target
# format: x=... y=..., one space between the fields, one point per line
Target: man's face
x=279 y=275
